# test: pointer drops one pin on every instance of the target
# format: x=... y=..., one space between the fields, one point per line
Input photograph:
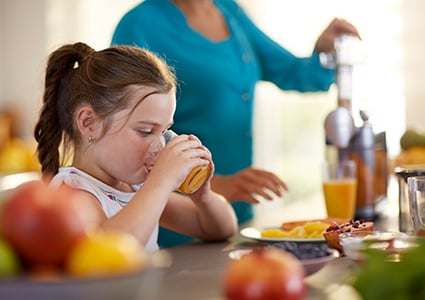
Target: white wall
x=414 y=62
x=30 y=30
x=23 y=50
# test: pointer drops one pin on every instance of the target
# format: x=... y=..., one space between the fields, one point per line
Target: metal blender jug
x=404 y=216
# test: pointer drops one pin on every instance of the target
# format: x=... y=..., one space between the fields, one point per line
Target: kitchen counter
x=198 y=268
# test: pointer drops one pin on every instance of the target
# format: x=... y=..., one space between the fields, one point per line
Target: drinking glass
x=416 y=190
x=340 y=188
x=197 y=176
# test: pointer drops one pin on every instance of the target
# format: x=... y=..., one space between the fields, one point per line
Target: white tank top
x=112 y=200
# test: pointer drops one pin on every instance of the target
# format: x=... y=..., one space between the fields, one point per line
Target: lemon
x=315 y=235
x=308 y=230
x=297 y=232
x=315 y=227
x=106 y=253
x=274 y=233
x=9 y=261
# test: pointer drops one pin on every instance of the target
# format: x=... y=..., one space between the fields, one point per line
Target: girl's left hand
x=178 y=158
x=205 y=189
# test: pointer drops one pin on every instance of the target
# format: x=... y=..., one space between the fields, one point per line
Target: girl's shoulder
x=74 y=178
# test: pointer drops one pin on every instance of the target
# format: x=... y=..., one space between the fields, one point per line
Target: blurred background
x=289 y=133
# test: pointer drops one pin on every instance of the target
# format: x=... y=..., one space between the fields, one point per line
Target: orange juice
x=195 y=179
x=340 y=197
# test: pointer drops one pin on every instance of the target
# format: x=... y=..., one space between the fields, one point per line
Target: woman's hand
x=325 y=42
x=248 y=184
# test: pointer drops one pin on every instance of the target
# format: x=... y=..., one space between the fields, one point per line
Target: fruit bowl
x=143 y=284
x=314 y=256
x=393 y=244
x=130 y=286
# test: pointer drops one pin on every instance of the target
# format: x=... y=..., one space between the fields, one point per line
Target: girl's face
x=130 y=147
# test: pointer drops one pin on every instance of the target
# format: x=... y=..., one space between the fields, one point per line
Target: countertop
x=198 y=268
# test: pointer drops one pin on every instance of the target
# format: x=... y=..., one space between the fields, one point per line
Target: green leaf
x=379 y=279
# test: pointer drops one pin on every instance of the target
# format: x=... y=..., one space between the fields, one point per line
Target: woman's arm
x=278 y=65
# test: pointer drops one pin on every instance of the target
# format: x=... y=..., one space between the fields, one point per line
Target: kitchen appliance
x=345 y=141
x=403 y=172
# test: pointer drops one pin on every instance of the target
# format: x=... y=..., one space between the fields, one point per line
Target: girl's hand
x=178 y=158
x=203 y=192
x=205 y=188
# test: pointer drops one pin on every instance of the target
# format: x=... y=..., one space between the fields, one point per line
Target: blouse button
x=246 y=96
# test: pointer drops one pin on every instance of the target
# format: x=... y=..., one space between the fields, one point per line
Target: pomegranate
x=332 y=233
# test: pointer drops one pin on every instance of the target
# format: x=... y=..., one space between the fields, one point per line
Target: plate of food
x=303 y=231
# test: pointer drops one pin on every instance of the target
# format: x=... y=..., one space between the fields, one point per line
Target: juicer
x=346 y=141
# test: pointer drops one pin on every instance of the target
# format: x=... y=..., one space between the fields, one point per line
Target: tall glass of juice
x=196 y=178
x=340 y=188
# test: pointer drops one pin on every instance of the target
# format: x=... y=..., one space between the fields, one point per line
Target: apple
x=265 y=274
x=42 y=223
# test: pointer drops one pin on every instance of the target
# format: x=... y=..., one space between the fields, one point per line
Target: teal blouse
x=216 y=80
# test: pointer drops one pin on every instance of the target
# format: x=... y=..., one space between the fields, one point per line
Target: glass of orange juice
x=196 y=178
x=340 y=188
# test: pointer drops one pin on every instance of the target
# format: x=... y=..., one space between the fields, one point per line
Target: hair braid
x=52 y=127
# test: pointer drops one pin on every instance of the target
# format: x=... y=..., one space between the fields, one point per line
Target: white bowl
x=312 y=265
x=391 y=243
x=318 y=256
x=313 y=256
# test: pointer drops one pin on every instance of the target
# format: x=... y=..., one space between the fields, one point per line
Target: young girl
x=111 y=108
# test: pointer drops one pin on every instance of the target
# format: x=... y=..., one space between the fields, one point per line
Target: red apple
x=42 y=223
x=265 y=274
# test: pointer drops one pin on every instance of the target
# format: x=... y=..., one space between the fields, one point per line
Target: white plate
x=255 y=234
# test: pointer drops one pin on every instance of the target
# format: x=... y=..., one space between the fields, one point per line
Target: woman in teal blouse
x=219 y=55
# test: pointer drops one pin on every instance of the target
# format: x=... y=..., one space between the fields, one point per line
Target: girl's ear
x=87 y=122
